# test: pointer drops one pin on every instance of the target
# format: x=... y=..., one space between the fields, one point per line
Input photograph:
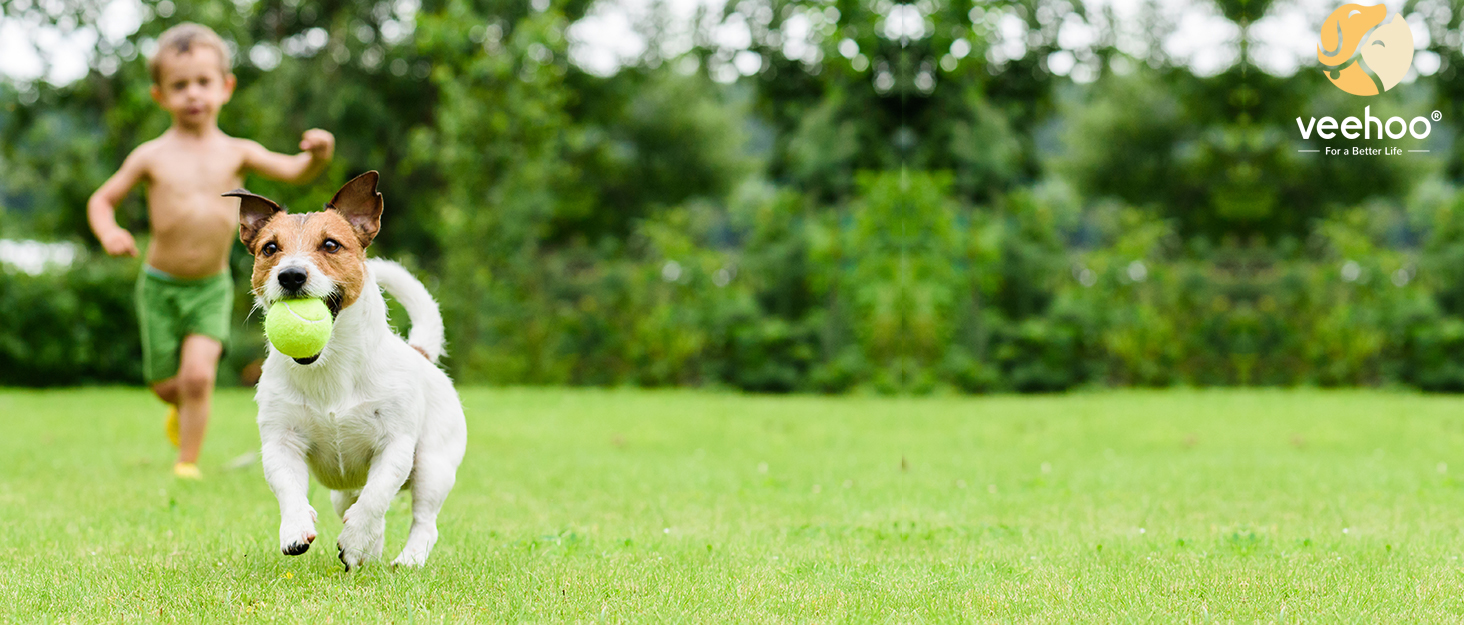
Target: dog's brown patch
x=335 y=239
x=326 y=237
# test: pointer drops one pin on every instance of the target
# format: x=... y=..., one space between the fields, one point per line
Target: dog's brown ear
x=254 y=212
x=360 y=203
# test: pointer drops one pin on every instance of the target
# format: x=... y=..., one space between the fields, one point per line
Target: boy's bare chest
x=202 y=174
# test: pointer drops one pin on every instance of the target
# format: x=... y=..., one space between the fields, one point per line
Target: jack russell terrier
x=368 y=416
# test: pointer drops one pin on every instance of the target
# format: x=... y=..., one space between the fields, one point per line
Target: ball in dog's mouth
x=333 y=304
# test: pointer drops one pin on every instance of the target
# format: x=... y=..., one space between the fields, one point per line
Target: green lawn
x=583 y=505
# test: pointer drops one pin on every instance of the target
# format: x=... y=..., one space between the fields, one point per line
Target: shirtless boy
x=185 y=293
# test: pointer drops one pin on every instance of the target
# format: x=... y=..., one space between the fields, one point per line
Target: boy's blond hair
x=181 y=39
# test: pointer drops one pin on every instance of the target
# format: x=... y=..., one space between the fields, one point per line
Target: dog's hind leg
x=342 y=500
x=432 y=479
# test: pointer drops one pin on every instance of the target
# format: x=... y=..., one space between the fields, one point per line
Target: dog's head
x=311 y=255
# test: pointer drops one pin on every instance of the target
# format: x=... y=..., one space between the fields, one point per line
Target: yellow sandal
x=187 y=471
x=171 y=425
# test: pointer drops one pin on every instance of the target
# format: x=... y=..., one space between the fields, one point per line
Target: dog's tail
x=426 y=334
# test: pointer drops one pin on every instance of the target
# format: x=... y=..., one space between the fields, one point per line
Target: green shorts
x=170 y=308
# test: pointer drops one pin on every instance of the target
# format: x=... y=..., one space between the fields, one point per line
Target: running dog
x=368 y=416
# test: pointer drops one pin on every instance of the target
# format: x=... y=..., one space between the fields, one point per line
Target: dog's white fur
x=370 y=418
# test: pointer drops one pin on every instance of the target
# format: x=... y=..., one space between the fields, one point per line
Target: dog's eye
x=269 y=249
x=330 y=246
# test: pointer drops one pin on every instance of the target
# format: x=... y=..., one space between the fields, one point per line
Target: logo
x=1362 y=55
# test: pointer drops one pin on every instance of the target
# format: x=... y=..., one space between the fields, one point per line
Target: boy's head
x=190 y=73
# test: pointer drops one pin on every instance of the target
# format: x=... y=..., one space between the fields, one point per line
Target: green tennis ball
x=298 y=328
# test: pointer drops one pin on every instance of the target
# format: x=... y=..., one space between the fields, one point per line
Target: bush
x=73 y=327
x=79 y=326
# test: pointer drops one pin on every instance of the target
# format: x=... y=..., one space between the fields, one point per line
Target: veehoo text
x=1353 y=128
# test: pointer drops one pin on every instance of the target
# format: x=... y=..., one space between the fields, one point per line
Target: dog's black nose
x=292 y=279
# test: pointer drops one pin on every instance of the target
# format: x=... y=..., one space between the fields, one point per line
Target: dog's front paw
x=361 y=541
x=297 y=533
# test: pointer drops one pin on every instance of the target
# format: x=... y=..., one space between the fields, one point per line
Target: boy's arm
x=318 y=146
x=101 y=209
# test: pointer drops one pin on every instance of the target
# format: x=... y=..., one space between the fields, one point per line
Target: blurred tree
x=786 y=195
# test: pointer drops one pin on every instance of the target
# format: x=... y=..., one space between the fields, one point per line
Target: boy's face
x=192 y=85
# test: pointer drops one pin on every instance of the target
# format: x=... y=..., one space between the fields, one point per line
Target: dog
x=371 y=415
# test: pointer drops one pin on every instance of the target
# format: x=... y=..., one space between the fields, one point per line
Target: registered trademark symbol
x=1437 y=116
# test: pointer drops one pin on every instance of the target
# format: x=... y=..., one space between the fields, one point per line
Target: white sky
x=1284 y=39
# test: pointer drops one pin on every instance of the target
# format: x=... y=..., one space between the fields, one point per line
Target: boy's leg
x=194 y=391
x=157 y=317
x=167 y=390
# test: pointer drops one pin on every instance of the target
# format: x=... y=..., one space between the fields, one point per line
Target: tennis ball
x=298 y=328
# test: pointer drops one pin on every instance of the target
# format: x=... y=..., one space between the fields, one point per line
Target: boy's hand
x=119 y=242
x=319 y=143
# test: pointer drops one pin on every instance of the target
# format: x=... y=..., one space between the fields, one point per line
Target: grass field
x=582 y=505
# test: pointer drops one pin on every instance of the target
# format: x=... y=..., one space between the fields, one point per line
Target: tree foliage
x=855 y=195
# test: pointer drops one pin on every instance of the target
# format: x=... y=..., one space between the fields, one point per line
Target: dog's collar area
x=306 y=361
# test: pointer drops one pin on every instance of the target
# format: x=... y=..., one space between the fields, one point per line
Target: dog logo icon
x=1362 y=55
